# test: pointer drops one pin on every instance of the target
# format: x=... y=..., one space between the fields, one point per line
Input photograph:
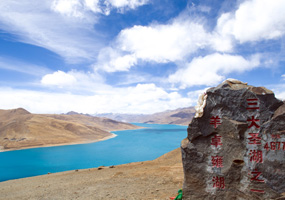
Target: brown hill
x=21 y=129
x=100 y=122
x=181 y=116
x=158 y=179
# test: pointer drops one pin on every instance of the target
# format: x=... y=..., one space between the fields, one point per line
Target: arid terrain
x=158 y=179
x=20 y=129
x=181 y=116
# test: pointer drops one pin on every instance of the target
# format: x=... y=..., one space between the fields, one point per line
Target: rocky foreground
x=235 y=148
x=158 y=179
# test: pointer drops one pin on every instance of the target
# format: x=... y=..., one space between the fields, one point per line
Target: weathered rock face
x=233 y=155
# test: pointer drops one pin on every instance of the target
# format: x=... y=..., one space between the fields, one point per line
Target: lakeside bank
x=158 y=179
x=129 y=146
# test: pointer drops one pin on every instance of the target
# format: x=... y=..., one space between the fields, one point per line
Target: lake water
x=129 y=146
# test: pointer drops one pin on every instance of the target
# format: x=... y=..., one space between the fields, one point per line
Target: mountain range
x=181 y=116
x=22 y=129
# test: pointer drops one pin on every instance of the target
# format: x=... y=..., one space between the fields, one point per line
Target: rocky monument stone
x=235 y=148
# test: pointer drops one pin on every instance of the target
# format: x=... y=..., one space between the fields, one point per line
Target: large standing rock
x=229 y=102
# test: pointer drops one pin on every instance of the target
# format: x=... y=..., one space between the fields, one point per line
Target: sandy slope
x=158 y=179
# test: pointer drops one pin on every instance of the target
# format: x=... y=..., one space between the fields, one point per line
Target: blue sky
x=135 y=56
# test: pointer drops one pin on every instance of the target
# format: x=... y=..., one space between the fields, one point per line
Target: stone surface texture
x=229 y=101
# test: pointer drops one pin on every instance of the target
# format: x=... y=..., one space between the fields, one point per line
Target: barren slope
x=100 y=122
x=21 y=129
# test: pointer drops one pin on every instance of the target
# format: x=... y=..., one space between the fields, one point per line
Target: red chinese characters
x=252 y=104
x=253 y=122
x=255 y=156
x=215 y=121
x=217 y=161
x=255 y=176
x=218 y=182
x=254 y=139
x=216 y=140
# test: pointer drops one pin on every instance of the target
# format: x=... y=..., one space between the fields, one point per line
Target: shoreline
x=156 y=179
x=82 y=142
x=161 y=157
x=63 y=144
x=73 y=143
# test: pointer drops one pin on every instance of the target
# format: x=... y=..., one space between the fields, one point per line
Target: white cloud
x=58 y=78
x=34 y=22
x=124 y=63
x=280 y=95
x=68 y=7
x=76 y=82
x=205 y=9
x=65 y=27
x=22 y=67
x=177 y=40
x=111 y=60
x=97 y=6
x=194 y=95
x=279 y=90
x=211 y=69
x=78 y=8
x=283 y=76
x=143 y=98
x=174 y=41
x=81 y=8
x=134 y=78
x=254 y=20
x=158 y=43
x=221 y=43
x=122 y=5
x=163 y=43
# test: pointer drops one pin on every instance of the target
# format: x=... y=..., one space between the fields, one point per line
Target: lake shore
x=64 y=144
x=69 y=143
x=158 y=179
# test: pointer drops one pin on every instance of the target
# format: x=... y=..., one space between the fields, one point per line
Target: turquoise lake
x=129 y=146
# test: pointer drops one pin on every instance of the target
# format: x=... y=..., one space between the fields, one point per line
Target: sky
x=135 y=56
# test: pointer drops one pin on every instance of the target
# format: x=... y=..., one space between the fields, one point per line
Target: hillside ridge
x=21 y=129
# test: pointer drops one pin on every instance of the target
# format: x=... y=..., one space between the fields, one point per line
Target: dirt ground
x=158 y=179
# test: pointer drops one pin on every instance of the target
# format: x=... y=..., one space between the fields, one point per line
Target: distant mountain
x=76 y=113
x=21 y=129
x=181 y=116
x=72 y=113
x=99 y=122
